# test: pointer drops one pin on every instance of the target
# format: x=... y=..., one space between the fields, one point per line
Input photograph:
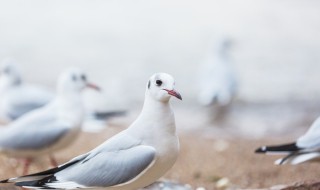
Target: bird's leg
x=53 y=161
x=26 y=165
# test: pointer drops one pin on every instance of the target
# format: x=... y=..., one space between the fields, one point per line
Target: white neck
x=156 y=115
x=70 y=108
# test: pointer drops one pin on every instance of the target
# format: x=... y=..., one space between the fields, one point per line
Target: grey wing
x=25 y=99
x=17 y=110
x=32 y=137
x=107 y=168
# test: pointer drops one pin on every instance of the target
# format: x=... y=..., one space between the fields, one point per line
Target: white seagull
x=132 y=159
x=306 y=148
x=13 y=105
x=16 y=96
x=217 y=82
x=49 y=128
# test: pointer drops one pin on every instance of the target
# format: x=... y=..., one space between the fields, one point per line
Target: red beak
x=93 y=86
x=174 y=93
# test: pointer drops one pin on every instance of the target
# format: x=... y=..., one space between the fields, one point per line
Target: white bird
x=217 y=82
x=132 y=159
x=16 y=96
x=305 y=148
x=49 y=128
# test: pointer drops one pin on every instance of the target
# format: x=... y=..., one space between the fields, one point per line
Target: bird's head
x=161 y=87
x=74 y=80
x=9 y=72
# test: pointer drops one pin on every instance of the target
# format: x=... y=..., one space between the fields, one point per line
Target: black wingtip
x=5 y=181
x=282 y=162
x=291 y=147
x=26 y=184
x=262 y=149
x=37 y=184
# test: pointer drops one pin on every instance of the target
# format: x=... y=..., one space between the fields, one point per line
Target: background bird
x=132 y=159
x=16 y=96
x=306 y=148
x=50 y=128
x=217 y=83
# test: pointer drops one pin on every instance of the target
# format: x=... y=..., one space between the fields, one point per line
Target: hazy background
x=121 y=43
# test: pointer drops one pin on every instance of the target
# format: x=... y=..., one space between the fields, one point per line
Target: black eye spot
x=158 y=82
x=149 y=85
x=83 y=77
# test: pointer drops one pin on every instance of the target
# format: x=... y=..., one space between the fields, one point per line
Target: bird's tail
x=34 y=179
x=280 y=149
x=298 y=158
x=37 y=184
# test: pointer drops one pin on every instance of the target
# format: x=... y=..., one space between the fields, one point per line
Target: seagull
x=132 y=159
x=49 y=128
x=13 y=105
x=217 y=82
x=16 y=96
x=305 y=148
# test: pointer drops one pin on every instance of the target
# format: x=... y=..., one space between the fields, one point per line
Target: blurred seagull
x=16 y=96
x=306 y=148
x=132 y=159
x=217 y=79
x=50 y=128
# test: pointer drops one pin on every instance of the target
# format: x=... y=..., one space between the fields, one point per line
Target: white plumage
x=217 y=84
x=132 y=159
x=49 y=128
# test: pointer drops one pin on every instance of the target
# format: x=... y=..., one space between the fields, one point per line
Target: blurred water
x=122 y=43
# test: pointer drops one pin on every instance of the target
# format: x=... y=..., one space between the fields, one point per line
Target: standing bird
x=16 y=96
x=132 y=159
x=217 y=79
x=217 y=82
x=49 y=128
x=306 y=148
x=13 y=105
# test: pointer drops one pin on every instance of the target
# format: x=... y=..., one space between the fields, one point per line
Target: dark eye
x=83 y=77
x=158 y=82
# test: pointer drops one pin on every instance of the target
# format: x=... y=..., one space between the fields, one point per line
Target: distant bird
x=49 y=128
x=306 y=148
x=217 y=82
x=16 y=96
x=132 y=159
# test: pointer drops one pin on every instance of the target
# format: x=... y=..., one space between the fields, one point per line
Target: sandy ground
x=210 y=153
